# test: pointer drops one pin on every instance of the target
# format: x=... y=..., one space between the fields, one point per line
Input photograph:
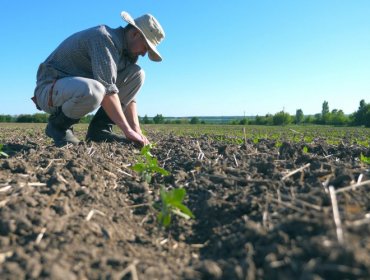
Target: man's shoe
x=59 y=128
x=101 y=129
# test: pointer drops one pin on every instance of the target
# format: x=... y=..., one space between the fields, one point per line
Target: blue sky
x=221 y=58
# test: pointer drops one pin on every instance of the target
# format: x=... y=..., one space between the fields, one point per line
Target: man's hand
x=146 y=141
x=134 y=136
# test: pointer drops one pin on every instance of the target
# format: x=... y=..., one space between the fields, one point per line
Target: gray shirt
x=97 y=53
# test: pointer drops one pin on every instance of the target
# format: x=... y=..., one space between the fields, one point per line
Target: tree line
x=35 y=118
x=326 y=117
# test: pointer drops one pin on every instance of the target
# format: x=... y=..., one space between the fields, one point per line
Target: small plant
x=2 y=153
x=172 y=204
x=149 y=165
x=278 y=144
x=305 y=150
x=364 y=159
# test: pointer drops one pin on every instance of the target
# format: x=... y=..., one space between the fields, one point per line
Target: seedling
x=305 y=150
x=172 y=204
x=148 y=165
x=1 y=151
x=278 y=144
x=364 y=159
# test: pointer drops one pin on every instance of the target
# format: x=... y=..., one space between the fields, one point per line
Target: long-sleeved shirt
x=97 y=53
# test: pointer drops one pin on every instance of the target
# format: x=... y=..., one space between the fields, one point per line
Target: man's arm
x=112 y=106
x=133 y=119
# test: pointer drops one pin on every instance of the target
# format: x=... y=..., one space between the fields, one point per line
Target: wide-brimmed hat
x=151 y=30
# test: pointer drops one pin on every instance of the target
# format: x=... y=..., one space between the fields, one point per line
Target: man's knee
x=132 y=75
x=95 y=92
x=140 y=76
x=86 y=96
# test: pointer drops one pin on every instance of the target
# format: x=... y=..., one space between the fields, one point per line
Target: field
x=269 y=203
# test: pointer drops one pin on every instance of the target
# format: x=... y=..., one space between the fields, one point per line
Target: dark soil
x=82 y=213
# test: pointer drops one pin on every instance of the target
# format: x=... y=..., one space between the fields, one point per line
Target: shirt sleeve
x=104 y=59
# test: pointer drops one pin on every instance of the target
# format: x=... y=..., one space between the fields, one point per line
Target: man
x=97 y=67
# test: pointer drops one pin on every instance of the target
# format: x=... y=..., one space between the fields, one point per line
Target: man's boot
x=101 y=129
x=59 y=128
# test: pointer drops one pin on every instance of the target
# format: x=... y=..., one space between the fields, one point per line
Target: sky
x=220 y=58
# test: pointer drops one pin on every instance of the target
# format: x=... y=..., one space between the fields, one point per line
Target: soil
x=82 y=213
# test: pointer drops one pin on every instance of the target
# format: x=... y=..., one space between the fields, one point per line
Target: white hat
x=151 y=30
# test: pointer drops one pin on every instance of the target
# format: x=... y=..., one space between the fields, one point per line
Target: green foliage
x=172 y=204
x=146 y=120
x=6 y=118
x=2 y=153
x=148 y=166
x=243 y=121
x=299 y=116
x=194 y=120
x=364 y=159
x=158 y=119
x=305 y=150
x=325 y=108
x=278 y=144
x=281 y=118
x=35 y=118
x=362 y=115
x=87 y=118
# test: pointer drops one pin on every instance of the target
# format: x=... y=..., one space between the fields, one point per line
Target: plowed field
x=264 y=209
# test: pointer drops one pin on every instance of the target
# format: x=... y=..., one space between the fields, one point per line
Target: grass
x=233 y=133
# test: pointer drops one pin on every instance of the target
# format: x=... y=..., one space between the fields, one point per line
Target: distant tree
x=367 y=116
x=309 y=119
x=24 y=118
x=158 y=119
x=243 y=121
x=325 y=108
x=360 y=114
x=260 y=120
x=266 y=120
x=299 y=116
x=281 y=118
x=6 y=118
x=325 y=113
x=337 y=117
x=146 y=120
x=194 y=120
x=40 y=118
x=269 y=119
x=317 y=118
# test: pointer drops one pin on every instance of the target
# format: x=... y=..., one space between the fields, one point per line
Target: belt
x=50 y=99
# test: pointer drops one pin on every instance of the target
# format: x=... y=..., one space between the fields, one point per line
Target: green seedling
x=172 y=204
x=148 y=166
x=364 y=159
x=278 y=144
x=305 y=150
x=2 y=153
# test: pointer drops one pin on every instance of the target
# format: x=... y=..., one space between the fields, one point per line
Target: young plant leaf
x=364 y=159
x=149 y=165
x=172 y=203
x=1 y=151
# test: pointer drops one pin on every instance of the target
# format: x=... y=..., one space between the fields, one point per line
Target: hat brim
x=152 y=51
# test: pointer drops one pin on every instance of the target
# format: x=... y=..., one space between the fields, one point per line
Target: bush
x=194 y=120
x=281 y=118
